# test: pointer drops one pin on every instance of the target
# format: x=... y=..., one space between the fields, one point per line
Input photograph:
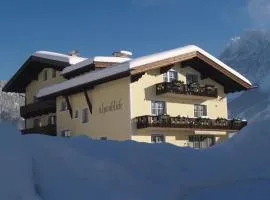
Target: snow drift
x=50 y=168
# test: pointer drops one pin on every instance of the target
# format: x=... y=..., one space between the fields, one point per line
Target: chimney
x=74 y=53
x=122 y=54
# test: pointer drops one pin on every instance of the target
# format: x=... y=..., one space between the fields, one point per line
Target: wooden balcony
x=179 y=88
x=43 y=130
x=187 y=123
x=38 y=108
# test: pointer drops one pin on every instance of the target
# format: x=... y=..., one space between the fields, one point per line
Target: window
x=103 y=138
x=66 y=133
x=201 y=141
x=52 y=120
x=158 y=108
x=53 y=73
x=37 y=122
x=200 y=110
x=76 y=114
x=35 y=99
x=85 y=115
x=45 y=75
x=157 y=138
x=192 y=78
x=63 y=106
x=170 y=76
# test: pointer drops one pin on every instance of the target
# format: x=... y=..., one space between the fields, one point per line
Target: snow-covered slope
x=250 y=55
x=50 y=168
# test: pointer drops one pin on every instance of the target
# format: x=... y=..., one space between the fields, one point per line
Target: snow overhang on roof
x=90 y=61
x=34 y=64
x=157 y=60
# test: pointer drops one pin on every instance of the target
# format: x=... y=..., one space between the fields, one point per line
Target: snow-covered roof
x=80 y=80
x=92 y=60
x=181 y=51
x=132 y=65
x=59 y=57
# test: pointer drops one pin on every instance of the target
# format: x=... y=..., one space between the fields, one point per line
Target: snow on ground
x=50 y=168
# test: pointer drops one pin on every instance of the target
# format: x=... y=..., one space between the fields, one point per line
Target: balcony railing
x=166 y=121
x=49 y=129
x=38 y=108
x=178 y=87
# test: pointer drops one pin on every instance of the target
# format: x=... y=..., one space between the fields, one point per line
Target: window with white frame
x=170 y=75
x=63 y=106
x=192 y=78
x=66 y=133
x=200 y=110
x=158 y=108
x=157 y=138
x=85 y=115
x=201 y=141
x=76 y=114
x=52 y=120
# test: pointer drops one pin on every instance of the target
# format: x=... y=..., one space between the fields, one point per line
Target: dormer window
x=192 y=78
x=45 y=75
x=53 y=73
x=170 y=76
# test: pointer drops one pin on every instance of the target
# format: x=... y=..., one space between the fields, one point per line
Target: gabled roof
x=229 y=76
x=34 y=64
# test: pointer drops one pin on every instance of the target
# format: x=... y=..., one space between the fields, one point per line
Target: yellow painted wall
x=113 y=125
x=35 y=85
x=143 y=92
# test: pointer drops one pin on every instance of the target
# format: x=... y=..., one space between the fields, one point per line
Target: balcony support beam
x=88 y=101
x=69 y=106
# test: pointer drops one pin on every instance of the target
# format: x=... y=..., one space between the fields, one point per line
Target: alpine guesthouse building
x=176 y=96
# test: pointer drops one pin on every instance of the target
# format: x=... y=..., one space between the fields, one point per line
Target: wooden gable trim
x=162 y=63
x=69 y=106
x=224 y=71
x=165 y=69
x=88 y=101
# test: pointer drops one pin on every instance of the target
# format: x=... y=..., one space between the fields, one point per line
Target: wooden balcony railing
x=178 y=87
x=38 y=108
x=49 y=129
x=166 y=121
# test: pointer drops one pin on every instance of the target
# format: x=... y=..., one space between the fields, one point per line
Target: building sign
x=113 y=106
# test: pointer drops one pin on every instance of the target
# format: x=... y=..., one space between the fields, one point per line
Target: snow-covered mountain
x=250 y=55
x=9 y=104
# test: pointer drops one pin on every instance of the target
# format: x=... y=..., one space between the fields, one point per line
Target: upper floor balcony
x=179 y=88
x=186 y=123
x=38 y=108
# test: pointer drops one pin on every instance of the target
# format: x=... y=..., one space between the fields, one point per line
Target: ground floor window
x=52 y=120
x=157 y=138
x=201 y=141
x=66 y=133
x=37 y=122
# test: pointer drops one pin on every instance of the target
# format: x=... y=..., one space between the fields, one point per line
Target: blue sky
x=98 y=27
